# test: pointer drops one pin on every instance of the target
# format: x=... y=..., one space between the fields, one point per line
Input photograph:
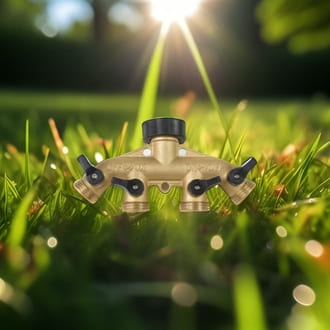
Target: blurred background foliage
x=304 y=24
x=104 y=45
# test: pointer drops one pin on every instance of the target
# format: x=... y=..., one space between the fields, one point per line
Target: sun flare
x=173 y=10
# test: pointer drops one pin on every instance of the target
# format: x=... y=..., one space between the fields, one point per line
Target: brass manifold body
x=165 y=162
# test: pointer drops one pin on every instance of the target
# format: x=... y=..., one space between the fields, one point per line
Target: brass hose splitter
x=165 y=162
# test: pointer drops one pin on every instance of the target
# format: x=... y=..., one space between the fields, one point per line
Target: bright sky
x=62 y=13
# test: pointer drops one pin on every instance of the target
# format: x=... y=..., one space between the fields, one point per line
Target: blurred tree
x=303 y=24
x=22 y=14
x=101 y=28
x=101 y=24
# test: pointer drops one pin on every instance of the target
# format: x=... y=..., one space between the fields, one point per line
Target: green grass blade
x=322 y=185
x=324 y=147
x=201 y=67
x=149 y=93
x=239 y=147
x=9 y=187
x=122 y=139
x=27 y=157
x=297 y=177
x=5 y=197
x=18 y=225
x=44 y=164
x=248 y=303
x=83 y=135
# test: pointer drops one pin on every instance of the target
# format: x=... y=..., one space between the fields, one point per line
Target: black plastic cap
x=164 y=127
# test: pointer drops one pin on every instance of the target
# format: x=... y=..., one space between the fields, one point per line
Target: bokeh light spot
x=281 y=231
x=2 y=287
x=304 y=295
x=126 y=14
x=6 y=291
x=184 y=294
x=314 y=248
x=49 y=31
x=52 y=242
x=216 y=242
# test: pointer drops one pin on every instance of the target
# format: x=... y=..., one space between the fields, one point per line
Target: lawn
x=64 y=262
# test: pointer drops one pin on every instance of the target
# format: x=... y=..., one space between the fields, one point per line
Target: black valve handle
x=238 y=174
x=94 y=175
x=199 y=187
x=135 y=186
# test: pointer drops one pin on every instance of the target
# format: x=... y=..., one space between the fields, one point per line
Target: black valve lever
x=199 y=187
x=238 y=174
x=135 y=186
x=94 y=175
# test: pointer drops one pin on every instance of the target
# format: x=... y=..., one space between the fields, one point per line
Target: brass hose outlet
x=165 y=162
